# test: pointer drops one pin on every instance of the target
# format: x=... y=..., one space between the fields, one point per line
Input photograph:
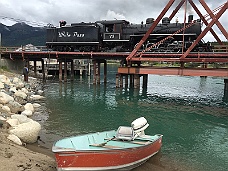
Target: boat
x=122 y=149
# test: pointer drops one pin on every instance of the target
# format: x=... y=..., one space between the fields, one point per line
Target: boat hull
x=108 y=159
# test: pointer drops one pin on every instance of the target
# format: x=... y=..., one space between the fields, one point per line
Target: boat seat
x=125 y=133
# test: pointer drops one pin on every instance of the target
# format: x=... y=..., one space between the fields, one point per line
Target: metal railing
x=23 y=48
x=220 y=48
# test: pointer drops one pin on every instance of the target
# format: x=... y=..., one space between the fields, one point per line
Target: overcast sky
x=135 y=11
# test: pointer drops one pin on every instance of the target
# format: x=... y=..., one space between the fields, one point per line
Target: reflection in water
x=189 y=111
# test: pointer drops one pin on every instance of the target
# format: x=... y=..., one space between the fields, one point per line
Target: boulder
x=6 y=108
x=36 y=105
x=15 y=139
x=29 y=106
x=2 y=85
x=12 y=122
x=5 y=98
x=2 y=118
x=27 y=112
x=21 y=118
x=4 y=79
x=25 y=90
x=21 y=94
x=27 y=132
x=36 y=97
x=40 y=92
x=13 y=89
x=15 y=107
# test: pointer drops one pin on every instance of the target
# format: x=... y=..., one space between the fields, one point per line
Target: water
x=191 y=113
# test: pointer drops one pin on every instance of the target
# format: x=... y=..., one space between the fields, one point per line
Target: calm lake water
x=191 y=113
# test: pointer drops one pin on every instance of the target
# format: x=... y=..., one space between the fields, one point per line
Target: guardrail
x=23 y=48
x=220 y=48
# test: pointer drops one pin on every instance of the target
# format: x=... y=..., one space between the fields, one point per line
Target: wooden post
x=117 y=81
x=94 y=72
x=136 y=81
x=145 y=80
x=65 y=70
x=126 y=81
x=121 y=80
x=98 y=72
x=105 y=72
x=43 y=72
x=226 y=89
x=35 y=69
x=72 y=70
x=131 y=80
x=60 y=70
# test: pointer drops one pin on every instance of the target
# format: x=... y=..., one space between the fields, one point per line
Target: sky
x=42 y=12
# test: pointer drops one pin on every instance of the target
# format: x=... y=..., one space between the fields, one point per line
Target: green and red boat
x=122 y=149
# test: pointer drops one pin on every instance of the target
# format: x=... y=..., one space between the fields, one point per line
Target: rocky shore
x=19 y=100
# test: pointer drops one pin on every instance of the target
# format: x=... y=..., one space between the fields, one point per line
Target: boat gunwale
x=56 y=149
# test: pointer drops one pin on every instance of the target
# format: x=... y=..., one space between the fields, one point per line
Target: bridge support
x=72 y=70
x=134 y=80
x=65 y=70
x=97 y=71
x=226 y=89
x=60 y=70
x=43 y=72
x=35 y=69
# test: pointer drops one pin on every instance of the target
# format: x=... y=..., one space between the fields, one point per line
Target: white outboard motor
x=139 y=125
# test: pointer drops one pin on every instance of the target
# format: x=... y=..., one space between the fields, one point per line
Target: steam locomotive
x=120 y=35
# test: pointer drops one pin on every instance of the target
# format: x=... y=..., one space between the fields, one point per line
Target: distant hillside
x=22 y=34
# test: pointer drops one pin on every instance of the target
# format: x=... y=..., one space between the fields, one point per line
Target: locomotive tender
x=120 y=35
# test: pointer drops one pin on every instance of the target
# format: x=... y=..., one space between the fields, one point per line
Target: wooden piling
x=105 y=72
x=72 y=70
x=94 y=72
x=60 y=70
x=136 y=81
x=65 y=70
x=145 y=80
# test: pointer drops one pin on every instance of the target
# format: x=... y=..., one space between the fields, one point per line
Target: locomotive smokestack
x=190 y=18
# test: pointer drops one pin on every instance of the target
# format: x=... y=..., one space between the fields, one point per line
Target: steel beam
x=213 y=16
x=176 y=9
x=155 y=23
x=203 y=33
x=174 y=71
x=205 y=21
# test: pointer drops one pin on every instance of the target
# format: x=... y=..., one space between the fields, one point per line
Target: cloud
x=52 y=11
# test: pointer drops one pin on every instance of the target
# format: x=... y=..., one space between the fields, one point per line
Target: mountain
x=22 y=34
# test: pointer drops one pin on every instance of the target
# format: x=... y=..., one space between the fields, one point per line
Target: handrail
x=220 y=48
x=22 y=48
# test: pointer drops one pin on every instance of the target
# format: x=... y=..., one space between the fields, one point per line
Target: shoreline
x=28 y=156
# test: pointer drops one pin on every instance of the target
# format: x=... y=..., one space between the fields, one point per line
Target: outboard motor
x=139 y=125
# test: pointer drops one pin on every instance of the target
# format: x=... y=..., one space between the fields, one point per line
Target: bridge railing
x=220 y=48
x=23 y=48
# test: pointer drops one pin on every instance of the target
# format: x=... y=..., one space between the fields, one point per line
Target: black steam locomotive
x=120 y=35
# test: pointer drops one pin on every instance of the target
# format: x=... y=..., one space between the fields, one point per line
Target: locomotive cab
x=112 y=29
x=112 y=34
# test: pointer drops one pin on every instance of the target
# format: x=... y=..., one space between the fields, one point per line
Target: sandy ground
x=18 y=158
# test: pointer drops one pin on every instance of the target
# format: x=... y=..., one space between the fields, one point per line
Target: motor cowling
x=139 y=125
